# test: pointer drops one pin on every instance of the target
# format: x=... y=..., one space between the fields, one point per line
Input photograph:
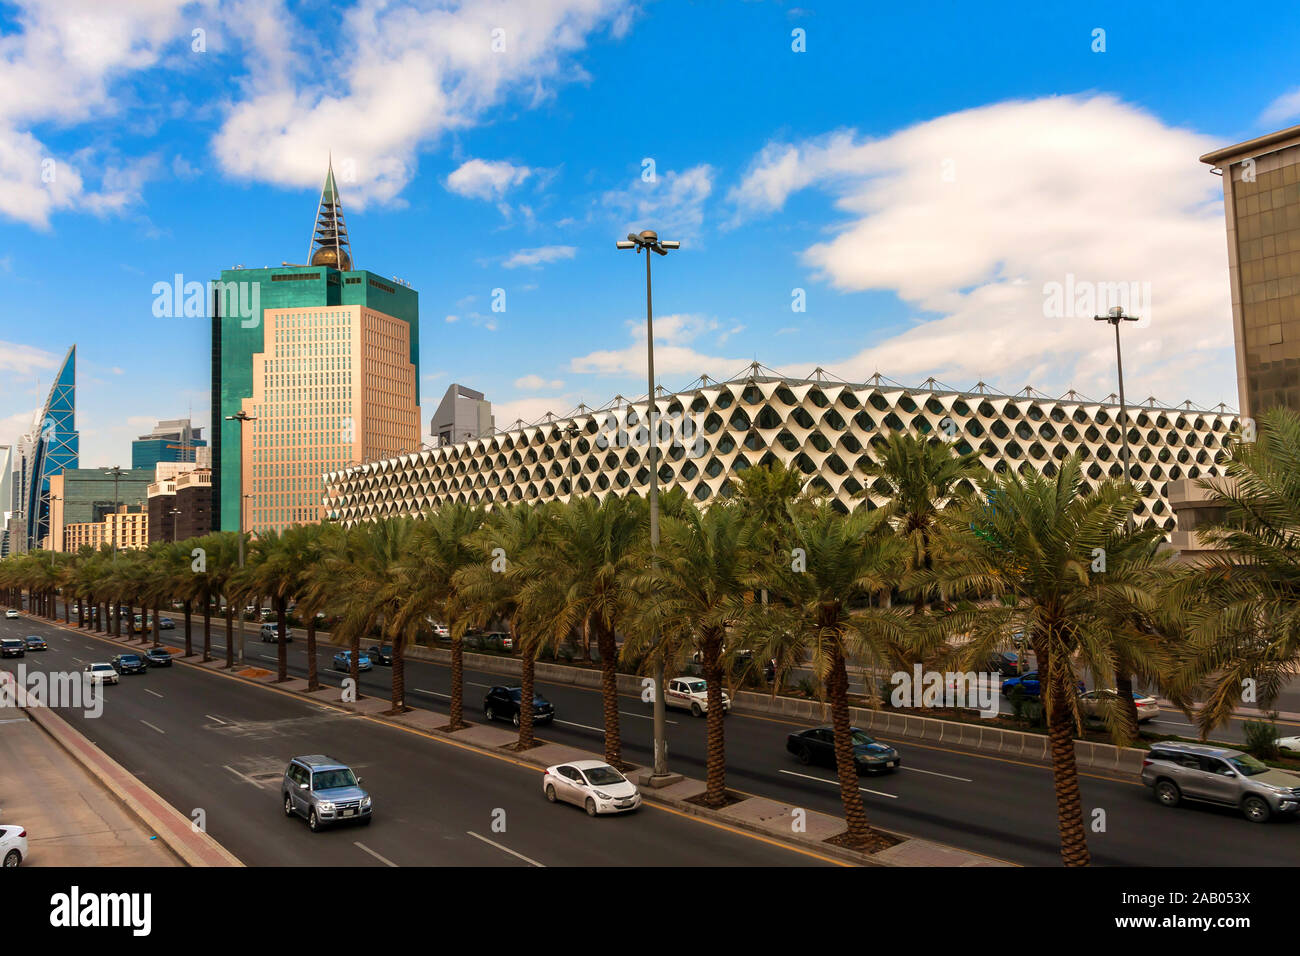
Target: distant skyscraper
x=326 y=357
x=172 y=440
x=6 y=495
x=1261 y=200
x=52 y=446
x=463 y=413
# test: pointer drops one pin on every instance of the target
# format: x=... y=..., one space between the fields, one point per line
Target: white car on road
x=591 y=784
x=10 y=614
x=691 y=693
x=1289 y=744
x=13 y=844
x=101 y=673
x=1094 y=703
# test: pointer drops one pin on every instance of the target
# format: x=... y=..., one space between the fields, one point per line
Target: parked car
x=691 y=693
x=166 y=624
x=324 y=791
x=343 y=661
x=12 y=647
x=129 y=664
x=502 y=703
x=34 y=642
x=1006 y=663
x=1094 y=704
x=158 y=657
x=11 y=614
x=270 y=633
x=380 y=653
x=817 y=745
x=13 y=844
x=100 y=673
x=591 y=784
x=1230 y=778
x=1289 y=744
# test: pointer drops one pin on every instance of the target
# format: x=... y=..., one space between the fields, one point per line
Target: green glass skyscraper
x=326 y=357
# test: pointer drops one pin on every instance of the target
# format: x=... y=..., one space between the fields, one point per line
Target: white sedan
x=10 y=614
x=595 y=786
x=1095 y=702
x=101 y=673
x=1289 y=744
x=13 y=844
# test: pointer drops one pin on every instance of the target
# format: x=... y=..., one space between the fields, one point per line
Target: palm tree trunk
x=313 y=682
x=189 y=644
x=855 y=812
x=230 y=634
x=527 y=674
x=399 y=675
x=1065 y=773
x=157 y=625
x=67 y=612
x=354 y=664
x=207 y=630
x=715 y=794
x=609 y=693
x=456 y=719
x=282 y=649
x=1127 y=705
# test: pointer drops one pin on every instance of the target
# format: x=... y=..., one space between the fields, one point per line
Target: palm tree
x=840 y=560
x=584 y=560
x=1066 y=566
x=691 y=594
x=272 y=570
x=1241 y=604
x=309 y=545
x=441 y=547
x=492 y=586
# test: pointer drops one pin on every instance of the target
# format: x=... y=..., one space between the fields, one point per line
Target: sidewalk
x=70 y=817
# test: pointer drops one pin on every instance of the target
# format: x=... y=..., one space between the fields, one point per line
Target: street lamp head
x=625 y=244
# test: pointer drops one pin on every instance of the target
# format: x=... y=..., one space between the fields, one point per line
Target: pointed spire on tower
x=329 y=242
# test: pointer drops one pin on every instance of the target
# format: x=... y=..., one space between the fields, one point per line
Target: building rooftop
x=1269 y=143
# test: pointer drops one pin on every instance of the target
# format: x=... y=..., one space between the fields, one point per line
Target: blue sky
x=922 y=173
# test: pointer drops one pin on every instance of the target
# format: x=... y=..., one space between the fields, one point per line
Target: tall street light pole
x=1115 y=316
x=241 y=416
x=649 y=241
x=116 y=473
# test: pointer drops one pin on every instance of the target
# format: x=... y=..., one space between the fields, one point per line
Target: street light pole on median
x=241 y=416
x=649 y=241
x=1115 y=316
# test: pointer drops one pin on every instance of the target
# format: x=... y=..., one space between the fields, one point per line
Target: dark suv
x=12 y=647
x=502 y=703
x=324 y=791
x=1230 y=778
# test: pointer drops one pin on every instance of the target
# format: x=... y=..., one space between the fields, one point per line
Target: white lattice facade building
x=714 y=430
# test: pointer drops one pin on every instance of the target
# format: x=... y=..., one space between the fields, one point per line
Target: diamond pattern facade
x=711 y=432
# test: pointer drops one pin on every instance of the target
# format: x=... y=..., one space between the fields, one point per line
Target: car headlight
x=327 y=807
x=603 y=796
x=365 y=801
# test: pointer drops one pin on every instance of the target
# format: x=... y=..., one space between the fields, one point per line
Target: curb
x=174 y=829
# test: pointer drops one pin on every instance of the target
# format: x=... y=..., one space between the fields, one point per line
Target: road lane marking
x=569 y=723
x=217 y=719
x=628 y=713
x=152 y=727
x=432 y=693
x=505 y=849
x=935 y=773
x=244 y=777
x=381 y=859
x=879 y=793
x=154 y=692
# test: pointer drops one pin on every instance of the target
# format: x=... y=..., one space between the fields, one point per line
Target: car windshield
x=129 y=659
x=102 y=667
x=695 y=686
x=1247 y=765
x=602 y=776
x=861 y=739
x=332 y=779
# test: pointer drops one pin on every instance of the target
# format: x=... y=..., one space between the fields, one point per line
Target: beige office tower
x=333 y=385
x=1261 y=199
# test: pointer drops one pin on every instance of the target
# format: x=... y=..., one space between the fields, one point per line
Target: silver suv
x=324 y=791
x=1231 y=778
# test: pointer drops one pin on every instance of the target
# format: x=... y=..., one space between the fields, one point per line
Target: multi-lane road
x=1000 y=807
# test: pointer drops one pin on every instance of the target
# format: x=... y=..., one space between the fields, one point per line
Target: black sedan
x=129 y=664
x=158 y=657
x=502 y=703
x=380 y=653
x=34 y=642
x=12 y=647
x=817 y=745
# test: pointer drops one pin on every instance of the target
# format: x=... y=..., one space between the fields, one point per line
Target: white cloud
x=58 y=67
x=531 y=409
x=674 y=355
x=539 y=256
x=485 y=179
x=1285 y=107
x=968 y=216
x=672 y=203
x=534 y=383
x=452 y=318
x=401 y=75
